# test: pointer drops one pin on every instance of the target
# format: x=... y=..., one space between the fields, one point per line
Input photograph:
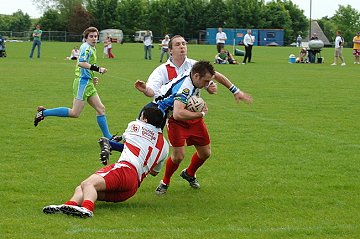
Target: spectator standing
x=298 y=41
x=356 y=47
x=106 y=44
x=339 y=43
x=248 y=43
x=165 y=48
x=36 y=42
x=109 y=48
x=148 y=44
x=220 y=39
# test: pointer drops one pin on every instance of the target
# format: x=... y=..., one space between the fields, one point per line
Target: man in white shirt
x=248 y=43
x=339 y=43
x=147 y=45
x=165 y=48
x=220 y=39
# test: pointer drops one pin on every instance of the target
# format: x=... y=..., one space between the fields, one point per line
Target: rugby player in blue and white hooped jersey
x=84 y=86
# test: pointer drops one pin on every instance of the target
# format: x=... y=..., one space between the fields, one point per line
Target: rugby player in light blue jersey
x=84 y=86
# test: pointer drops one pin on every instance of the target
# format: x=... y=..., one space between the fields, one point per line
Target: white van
x=139 y=35
x=115 y=34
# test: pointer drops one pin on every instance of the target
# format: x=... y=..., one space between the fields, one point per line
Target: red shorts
x=189 y=132
x=121 y=181
x=356 y=52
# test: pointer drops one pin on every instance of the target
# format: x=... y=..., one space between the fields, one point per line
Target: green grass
x=286 y=166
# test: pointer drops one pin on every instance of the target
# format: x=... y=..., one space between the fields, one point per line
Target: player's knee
x=101 y=110
x=78 y=189
x=74 y=114
x=177 y=159
x=86 y=184
x=205 y=155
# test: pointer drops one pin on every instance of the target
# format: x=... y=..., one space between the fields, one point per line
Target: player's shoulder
x=84 y=46
x=190 y=61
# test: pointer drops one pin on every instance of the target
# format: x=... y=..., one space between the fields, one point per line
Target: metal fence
x=62 y=36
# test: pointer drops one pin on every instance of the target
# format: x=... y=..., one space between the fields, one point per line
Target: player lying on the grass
x=84 y=86
x=144 y=152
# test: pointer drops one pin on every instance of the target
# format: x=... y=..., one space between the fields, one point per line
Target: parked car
x=139 y=35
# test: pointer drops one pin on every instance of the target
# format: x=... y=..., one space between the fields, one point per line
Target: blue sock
x=116 y=146
x=102 y=122
x=60 y=112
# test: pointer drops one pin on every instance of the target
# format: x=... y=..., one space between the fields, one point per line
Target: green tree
x=176 y=17
x=347 y=19
x=158 y=18
x=104 y=13
x=19 y=22
x=4 y=23
x=195 y=16
x=52 y=21
x=245 y=14
x=131 y=15
x=65 y=8
x=79 y=20
x=276 y=16
x=299 y=22
x=328 y=26
x=216 y=14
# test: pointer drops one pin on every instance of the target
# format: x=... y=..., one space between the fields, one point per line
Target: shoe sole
x=195 y=186
x=38 y=120
x=73 y=212
x=159 y=193
x=104 y=153
x=52 y=210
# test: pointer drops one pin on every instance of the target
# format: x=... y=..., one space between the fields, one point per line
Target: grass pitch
x=286 y=166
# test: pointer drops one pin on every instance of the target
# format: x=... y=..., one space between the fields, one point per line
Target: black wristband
x=94 y=68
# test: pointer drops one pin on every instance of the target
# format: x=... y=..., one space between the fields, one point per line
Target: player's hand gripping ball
x=195 y=104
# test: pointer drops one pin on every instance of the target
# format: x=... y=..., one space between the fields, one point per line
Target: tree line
x=184 y=17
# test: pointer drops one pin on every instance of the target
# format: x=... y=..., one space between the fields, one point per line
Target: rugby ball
x=195 y=104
